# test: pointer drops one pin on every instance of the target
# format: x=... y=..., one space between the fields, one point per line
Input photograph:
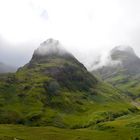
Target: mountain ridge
x=125 y=76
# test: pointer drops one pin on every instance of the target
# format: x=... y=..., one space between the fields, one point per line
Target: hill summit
x=50 y=48
x=126 y=49
x=128 y=58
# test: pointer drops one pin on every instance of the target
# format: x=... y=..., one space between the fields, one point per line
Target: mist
x=49 y=47
x=104 y=59
x=86 y=28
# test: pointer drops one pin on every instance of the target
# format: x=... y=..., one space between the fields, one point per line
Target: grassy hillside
x=70 y=109
x=121 y=129
x=55 y=97
x=26 y=100
x=128 y=84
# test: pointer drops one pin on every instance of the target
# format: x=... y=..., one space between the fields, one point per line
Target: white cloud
x=86 y=27
x=104 y=60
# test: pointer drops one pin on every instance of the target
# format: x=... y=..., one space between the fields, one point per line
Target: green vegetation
x=56 y=98
x=117 y=130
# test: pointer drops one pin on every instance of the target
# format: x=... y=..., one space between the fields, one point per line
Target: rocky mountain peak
x=123 y=49
x=50 y=48
x=125 y=54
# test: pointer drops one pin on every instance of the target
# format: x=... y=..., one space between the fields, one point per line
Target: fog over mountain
x=106 y=58
x=85 y=27
x=50 y=47
x=122 y=59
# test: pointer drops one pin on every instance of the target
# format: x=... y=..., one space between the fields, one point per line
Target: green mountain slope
x=55 y=89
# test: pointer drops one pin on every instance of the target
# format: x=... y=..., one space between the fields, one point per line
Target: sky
x=85 y=27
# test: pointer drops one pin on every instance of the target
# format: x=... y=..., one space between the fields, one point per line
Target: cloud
x=104 y=60
x=86 y=27
x=50 y=46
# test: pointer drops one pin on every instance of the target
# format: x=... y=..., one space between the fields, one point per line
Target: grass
x=53 y=133
x=30 y=104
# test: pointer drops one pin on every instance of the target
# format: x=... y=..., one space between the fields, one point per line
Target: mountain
x=53 y=61
x=125 y=74
x=57 y=97
x=55 y=89
x=129 y=60
x=6 y=68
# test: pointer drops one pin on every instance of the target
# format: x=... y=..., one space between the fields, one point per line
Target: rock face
x=129 y=60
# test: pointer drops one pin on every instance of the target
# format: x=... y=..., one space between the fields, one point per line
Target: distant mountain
x=125 y=74
x=6 y=68
x=129 y=60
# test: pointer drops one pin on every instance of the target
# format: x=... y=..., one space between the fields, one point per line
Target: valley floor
x=123 y=128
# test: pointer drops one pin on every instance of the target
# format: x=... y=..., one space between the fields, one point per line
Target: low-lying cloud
x=104 y=59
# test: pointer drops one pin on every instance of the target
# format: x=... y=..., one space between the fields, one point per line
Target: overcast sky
x=85 y=27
